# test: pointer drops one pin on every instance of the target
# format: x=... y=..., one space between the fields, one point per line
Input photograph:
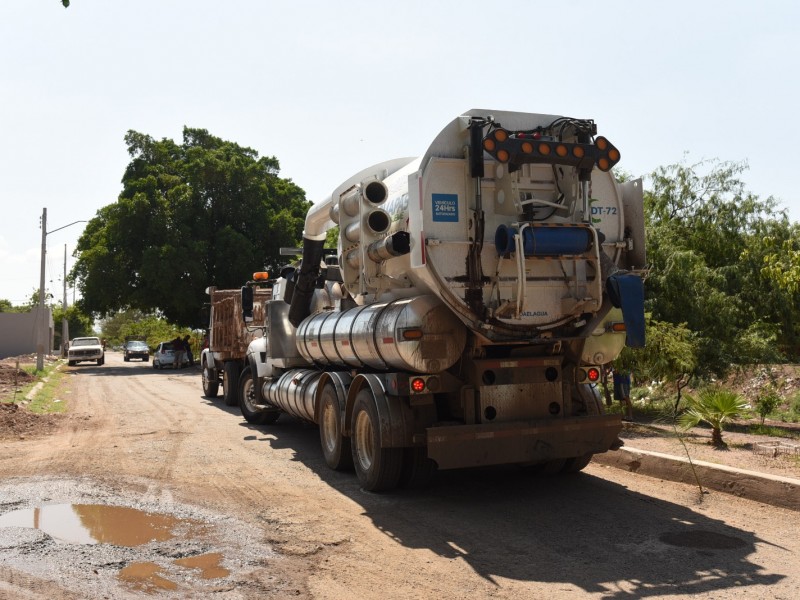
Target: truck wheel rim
x=248 y=397
x=329 y=428
x=364 y=434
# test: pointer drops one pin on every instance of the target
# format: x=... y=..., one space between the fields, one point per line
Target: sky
x=330 y=88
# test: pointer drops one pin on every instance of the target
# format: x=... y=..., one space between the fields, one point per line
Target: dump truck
x=465 y=316
x=228 y=338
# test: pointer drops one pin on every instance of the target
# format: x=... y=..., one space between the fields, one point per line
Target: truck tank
x=475 y=292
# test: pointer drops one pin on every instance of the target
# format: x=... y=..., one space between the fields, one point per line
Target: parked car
x=164 y=356
x=136 y=349
x=85 y=349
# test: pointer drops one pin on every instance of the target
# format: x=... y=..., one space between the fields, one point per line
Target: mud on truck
x=465 y=316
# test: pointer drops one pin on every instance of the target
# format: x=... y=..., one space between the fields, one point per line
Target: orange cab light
x=260 y=276
x=527 y=147
x=418 y=384
x=578 y=151
x=489 y=145
x=613 y=154
x=601 y=143
x=502 y=155
x=544 y=149
x=603 y=164
x=593 y=374
x=501 y=135
x=561 y=150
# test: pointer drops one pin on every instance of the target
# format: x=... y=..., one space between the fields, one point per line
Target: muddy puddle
x=112 y=545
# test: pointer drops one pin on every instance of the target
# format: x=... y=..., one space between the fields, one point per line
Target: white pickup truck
x=85 y=349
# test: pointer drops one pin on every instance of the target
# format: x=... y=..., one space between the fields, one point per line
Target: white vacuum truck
x=465 y=315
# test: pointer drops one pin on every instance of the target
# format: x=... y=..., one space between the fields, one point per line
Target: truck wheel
x=378 y=469
x=418 y=470
x=71 y=363
x=126 y=359
x=247 y=402
x=335 y=447
x=101 y=361
x=578 y=463
x=230 y=383
x=210 y=382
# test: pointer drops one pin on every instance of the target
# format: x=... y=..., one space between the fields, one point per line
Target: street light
x=40 y=343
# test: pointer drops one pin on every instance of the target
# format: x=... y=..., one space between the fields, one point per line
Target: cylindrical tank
x=294 y=392
x=418 y=334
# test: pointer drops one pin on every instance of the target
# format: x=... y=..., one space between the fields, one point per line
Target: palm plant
x=714 y=406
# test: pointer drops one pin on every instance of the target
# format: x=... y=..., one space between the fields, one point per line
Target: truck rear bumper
x=521 y=441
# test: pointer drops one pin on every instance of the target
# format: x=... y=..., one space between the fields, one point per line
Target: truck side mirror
x=247 y=304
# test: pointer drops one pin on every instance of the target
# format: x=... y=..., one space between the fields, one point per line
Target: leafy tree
x=204 y=212
x=6 y=306
x=80 y=324
x=715 y=406
x=65 y=3
x=705 y=235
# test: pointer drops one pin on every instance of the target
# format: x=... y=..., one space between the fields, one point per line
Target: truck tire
x=101 y=361
x=247 y=402
x=378 y=469
x=210 y=382
x=578 y=463
x=126 y=359
x=335 y=447
x=230 y=383
x=418 y=470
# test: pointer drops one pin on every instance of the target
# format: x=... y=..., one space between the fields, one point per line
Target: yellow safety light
x=260 y=276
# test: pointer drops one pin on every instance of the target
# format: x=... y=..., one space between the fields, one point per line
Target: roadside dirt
x=261 y=502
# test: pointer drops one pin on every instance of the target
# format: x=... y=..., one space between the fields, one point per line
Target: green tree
x=204 y=212
x=6 y=306
x=705 y=235
x=715 y=406
x=79 y=324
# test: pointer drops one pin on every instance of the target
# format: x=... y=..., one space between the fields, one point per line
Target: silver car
x=164 y=356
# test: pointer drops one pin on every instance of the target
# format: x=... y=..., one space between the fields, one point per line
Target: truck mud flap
x=521 y=442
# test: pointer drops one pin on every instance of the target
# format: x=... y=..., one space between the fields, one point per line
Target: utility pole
x=40 y=315
x=64 y=324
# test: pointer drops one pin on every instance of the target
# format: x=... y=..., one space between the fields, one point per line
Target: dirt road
x=253 y=512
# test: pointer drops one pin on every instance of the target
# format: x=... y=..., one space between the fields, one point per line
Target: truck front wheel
x=378 y=469
x=230 y=384
x=210 y=382
x=247 y=402
x=335 y=447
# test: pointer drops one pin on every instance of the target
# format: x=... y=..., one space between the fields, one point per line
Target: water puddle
x=145 y=576
x=207 y=563
x=122 y=526
x=94 y=524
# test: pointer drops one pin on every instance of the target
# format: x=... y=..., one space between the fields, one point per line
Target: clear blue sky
x=332 y=87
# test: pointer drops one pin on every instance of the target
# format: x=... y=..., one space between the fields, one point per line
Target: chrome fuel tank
x=417 y=334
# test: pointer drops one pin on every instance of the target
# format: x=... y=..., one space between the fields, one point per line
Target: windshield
x=137 y=346
x=86 y=342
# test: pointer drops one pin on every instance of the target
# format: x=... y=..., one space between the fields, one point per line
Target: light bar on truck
x=260 y=276
x=523 y=148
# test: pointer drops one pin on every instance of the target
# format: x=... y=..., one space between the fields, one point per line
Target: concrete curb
x=770 y=489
